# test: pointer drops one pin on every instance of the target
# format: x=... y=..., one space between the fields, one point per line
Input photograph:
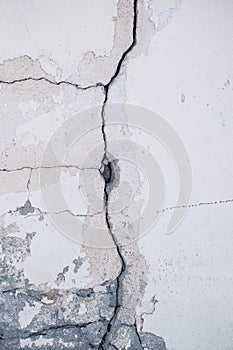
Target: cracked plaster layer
x=67 y=57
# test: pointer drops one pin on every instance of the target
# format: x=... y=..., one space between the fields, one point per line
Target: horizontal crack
x=28 y=210
x=62 y=82
x=65 y=211
x=46 y=167
x=44 y=331
x=195 y=205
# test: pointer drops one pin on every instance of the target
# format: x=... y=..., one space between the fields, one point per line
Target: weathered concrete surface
x=105 y=288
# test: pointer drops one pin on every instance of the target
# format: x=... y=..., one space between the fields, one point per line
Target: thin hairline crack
x=68 y=166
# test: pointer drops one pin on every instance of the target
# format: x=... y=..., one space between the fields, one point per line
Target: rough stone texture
x=158 y=292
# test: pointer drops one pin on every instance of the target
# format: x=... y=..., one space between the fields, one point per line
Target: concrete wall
x=116 y=174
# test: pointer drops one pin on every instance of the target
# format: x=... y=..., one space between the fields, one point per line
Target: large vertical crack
x=107 y=172
x=117 y=71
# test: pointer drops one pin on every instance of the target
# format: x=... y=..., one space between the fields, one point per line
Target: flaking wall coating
x=56 y=294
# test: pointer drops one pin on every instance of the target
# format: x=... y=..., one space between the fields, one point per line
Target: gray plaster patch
x=77 y=264
x=27 y=208
x=152 y=342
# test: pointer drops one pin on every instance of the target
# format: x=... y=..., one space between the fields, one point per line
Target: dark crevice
x=107 y=172
x=12 y=290
x=138 y=335
x=62 y=82
x=106 y=88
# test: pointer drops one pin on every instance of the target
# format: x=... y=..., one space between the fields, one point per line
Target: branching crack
x=106 y=171
x=153 y=302
x=117 y=71
x=57 y=83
